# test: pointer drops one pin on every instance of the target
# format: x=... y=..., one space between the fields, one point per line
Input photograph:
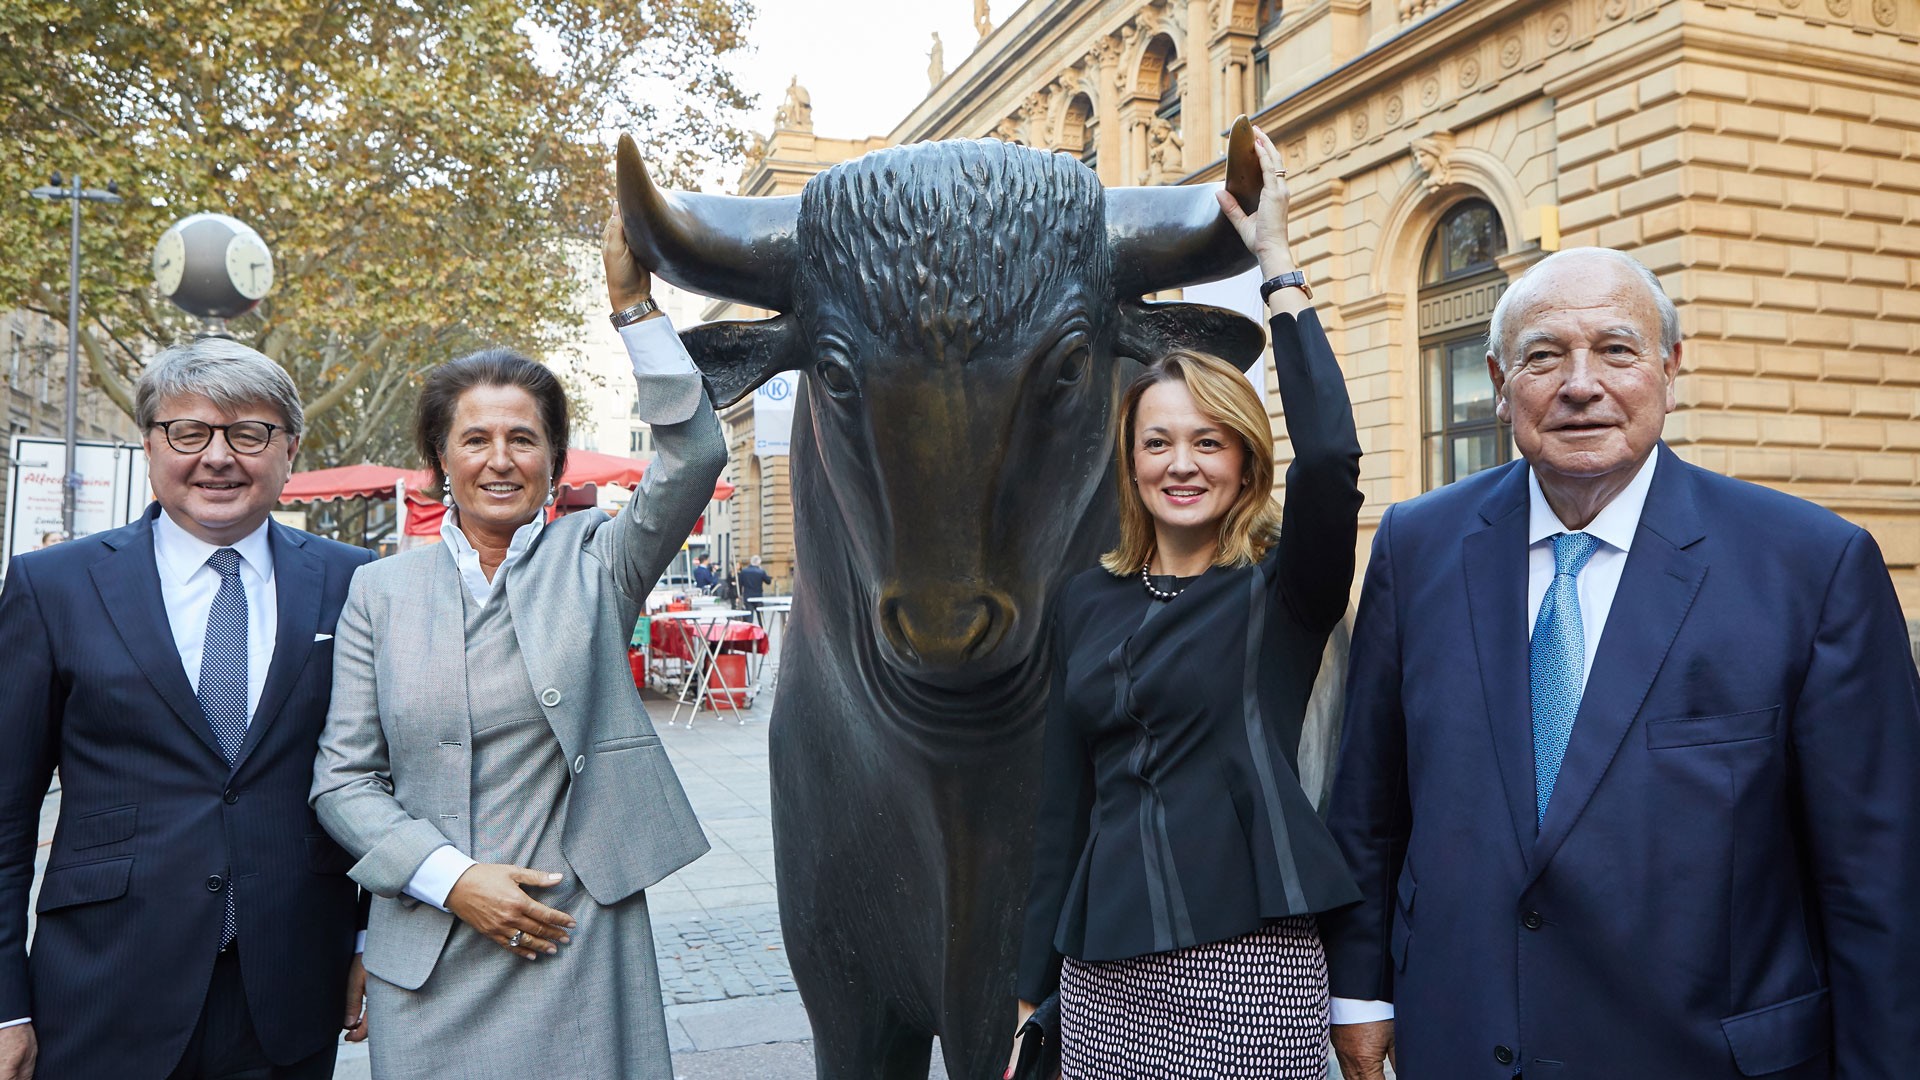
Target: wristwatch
x=627 y=316
x=1292 y=279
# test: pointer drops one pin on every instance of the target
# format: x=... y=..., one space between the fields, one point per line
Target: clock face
x=249 y=266
x=169 y=262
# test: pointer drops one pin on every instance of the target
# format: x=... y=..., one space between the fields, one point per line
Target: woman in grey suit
x=487 y=759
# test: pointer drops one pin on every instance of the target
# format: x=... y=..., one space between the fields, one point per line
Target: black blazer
x=1171 y=812
x=152 y=819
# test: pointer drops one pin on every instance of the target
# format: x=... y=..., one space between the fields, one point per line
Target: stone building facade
x=1761 y=156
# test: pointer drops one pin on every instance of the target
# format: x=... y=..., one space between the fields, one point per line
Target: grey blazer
x=393 y=779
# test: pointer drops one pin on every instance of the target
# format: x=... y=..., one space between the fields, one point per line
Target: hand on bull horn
x=628 y=283
x=1265 y=230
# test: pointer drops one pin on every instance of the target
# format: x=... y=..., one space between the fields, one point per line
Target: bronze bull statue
x=964 y=313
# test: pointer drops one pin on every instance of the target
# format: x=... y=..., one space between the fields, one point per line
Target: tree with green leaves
x=418 y=167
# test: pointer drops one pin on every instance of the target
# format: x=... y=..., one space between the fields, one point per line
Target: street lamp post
x=70 y=486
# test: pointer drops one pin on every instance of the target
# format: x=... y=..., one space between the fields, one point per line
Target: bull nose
x=943 y=632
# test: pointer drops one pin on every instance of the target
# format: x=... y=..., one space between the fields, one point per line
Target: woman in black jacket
x=1178 y=864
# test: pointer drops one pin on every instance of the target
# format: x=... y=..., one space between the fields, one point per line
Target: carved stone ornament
x=1360 y=123
x=1884 y=12
x=1510 y=53
x=1328 y=141
x=1614 y=9
x=1469 y=71
x=1433 y=156
x=1790 y=5
x=1429 y=90
x=1395 y=109
x=1840 y=8
x=1559 y=29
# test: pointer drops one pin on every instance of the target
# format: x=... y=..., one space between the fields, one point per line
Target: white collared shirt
x=187 y=587
x=1614 y=527
x=467 y=558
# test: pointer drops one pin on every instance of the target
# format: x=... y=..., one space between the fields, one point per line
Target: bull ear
x=736 y=357
x=1150 y=331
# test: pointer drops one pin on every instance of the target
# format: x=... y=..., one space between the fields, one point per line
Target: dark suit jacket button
x=1533 y=921
x=231 y=797
x=1503 y=1055
x=215 y=883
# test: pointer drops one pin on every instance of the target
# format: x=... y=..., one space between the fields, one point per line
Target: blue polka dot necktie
x=1557 y=663
x=223 y=680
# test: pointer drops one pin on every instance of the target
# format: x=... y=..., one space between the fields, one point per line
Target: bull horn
x=727 y=246
x=1170 y=237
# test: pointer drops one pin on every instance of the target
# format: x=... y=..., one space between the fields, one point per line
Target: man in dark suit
x=194 y=920
x=1628 y=774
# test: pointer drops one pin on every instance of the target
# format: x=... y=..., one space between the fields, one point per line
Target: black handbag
x=1040 y=1043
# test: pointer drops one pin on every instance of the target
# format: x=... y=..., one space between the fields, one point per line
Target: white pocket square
x=318 y=638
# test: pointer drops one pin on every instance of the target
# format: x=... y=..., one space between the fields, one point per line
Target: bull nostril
x=990 y=623
x=893 y=623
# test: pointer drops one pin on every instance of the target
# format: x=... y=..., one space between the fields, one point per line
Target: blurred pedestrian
x=753 y=580
x=703 y=578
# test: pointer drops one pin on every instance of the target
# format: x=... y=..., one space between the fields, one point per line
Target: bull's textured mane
x=943 y=241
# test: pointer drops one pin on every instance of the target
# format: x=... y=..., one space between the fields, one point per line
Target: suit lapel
x=1496 y=566
x=299 y=583
x=536 y=635
x=128 y=582
x=1657 y=588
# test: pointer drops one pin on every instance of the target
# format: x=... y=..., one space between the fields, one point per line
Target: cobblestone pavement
x=733 y=953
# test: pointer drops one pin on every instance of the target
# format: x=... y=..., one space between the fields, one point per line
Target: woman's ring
x=1281 y=173
x=518 y=937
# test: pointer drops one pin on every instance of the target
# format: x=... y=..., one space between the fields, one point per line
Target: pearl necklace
x=1156 y=593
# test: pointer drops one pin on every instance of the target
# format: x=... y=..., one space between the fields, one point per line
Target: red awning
x=349 y=482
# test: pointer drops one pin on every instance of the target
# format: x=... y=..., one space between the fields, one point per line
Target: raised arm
x=1320 y=521
x=690 y=452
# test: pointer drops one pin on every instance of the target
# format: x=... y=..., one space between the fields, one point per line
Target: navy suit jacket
x=1724 y=884
x=153 y=821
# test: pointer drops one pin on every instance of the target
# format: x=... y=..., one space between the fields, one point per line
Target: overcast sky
x=864 y=61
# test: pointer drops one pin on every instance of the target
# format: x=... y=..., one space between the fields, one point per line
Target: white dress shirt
x=654 y=349
x=188 y=584
x=1614 y=527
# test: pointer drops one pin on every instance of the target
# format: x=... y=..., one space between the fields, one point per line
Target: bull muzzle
x=947 y=635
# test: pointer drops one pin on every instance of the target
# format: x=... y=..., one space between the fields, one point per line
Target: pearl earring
x=552 y=494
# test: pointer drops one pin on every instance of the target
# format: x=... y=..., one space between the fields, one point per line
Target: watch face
x=169 y=262
x=249 y=266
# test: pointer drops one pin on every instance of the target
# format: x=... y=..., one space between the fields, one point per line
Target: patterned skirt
x=1249 y=1008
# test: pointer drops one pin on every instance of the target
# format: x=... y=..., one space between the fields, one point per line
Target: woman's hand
x=489 y=898
x=355 y=1023
x=1265 y=230
x=628 y=282
x=1024 y=1010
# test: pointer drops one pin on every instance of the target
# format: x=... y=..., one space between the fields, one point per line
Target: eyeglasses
x=192 y=436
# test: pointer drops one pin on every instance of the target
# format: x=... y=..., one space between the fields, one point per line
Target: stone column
x=1198 y=124
x=1112 y=170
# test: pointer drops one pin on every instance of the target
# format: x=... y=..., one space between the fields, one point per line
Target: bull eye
x=1074 y=365
x=837 y=377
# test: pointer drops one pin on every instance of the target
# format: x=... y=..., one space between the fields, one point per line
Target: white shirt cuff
x=437 y=875
x=17 y=1023
x=359 y=942
x=655 y=348
x=1355 y=1011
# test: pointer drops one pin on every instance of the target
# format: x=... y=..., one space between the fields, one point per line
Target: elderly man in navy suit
x=1628 y=779
x=194 y=921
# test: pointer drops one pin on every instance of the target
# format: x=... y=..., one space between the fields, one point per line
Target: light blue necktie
x=223 y=680
x=1556 y=666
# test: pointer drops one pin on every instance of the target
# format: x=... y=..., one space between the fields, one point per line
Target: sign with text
x=113 y=490
x=773 y=415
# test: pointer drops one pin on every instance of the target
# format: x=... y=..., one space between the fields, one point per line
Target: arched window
x=1460 y=281
x=1077 y=133
x=1157 y=75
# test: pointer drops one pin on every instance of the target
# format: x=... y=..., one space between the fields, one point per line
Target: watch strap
x=627 y=316
x=1292 y=279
